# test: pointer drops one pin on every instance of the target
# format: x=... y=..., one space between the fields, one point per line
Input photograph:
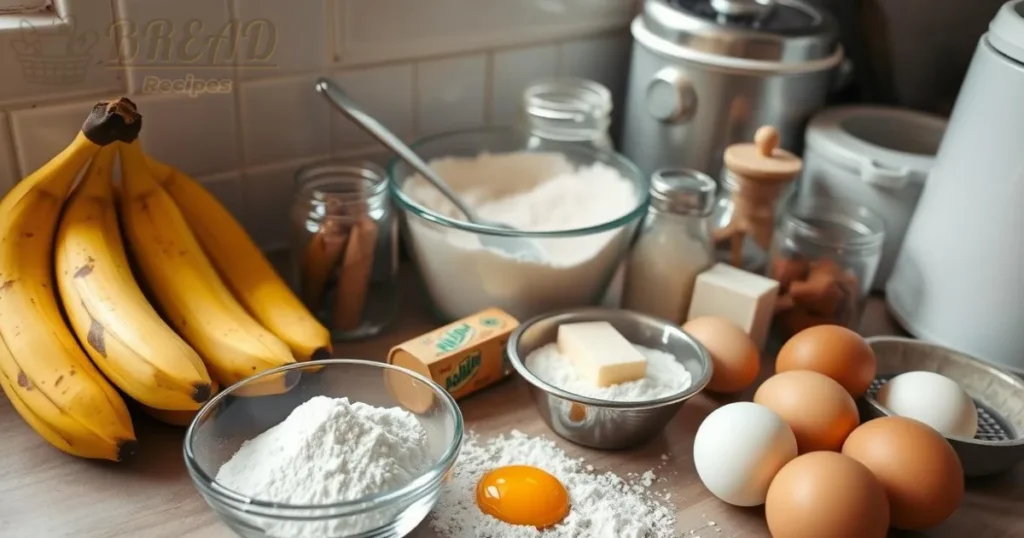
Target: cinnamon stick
x=354 y=276
x=321 y=256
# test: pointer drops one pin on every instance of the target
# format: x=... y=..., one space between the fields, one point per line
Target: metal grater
x=991 y=427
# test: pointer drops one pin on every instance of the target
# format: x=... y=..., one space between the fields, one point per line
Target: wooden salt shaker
x=761 y=171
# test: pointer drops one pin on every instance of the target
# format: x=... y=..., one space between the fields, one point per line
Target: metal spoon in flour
x=518 y=247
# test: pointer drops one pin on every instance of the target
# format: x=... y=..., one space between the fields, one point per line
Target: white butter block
x=600 y=354
x=746 y=299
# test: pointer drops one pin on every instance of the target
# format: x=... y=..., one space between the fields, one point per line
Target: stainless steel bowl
x=601 y=423
x=998 y=395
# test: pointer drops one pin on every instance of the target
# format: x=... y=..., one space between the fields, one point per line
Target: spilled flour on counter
x=602 y=505
x=665 y=376
x=329 y=450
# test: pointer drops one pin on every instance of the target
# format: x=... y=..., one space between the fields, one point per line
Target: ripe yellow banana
x=177 y=418
x=43 y=371
x=244 y=268
x=191 y=295
x=114 y=321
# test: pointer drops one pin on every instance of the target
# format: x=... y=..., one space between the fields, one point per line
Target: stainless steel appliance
x=708 y=73
x=959 y=277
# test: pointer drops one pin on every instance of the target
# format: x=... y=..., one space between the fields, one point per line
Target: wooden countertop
x=45 y=493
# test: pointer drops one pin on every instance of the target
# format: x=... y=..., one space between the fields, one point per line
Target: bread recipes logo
x=191 y=58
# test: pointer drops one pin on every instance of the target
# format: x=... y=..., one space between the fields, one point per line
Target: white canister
x=959 y=278
x=877 y=157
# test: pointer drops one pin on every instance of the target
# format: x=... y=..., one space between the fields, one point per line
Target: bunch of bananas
x=213 y=312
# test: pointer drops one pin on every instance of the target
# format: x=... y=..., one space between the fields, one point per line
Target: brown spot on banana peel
x=96 y=338
x=6 y=285
x=23 y=381
x=83 y=271
x=57 y=382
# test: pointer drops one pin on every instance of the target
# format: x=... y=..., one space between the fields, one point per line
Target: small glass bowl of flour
x=336 y=448
x=580 y=207
x=617 y=416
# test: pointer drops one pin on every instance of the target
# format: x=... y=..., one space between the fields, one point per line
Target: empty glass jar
x=824 y=255
x=345 y=247
x=567 y=111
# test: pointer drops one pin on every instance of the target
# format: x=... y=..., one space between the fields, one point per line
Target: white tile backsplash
x=196 y=134
x=418 y=67
x=451 y=93
x=284 y=119
x=380 y=30
x=173 y=40
x=228 y=189
x=299 y=39
x=514 y=71
x=40 y=133
x=267 y=197
x=8 y=167
x=385 y=93
x=604 y=59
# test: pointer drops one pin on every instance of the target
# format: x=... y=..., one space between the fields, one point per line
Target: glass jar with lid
x=825 y=255
x=566 y=111
x=672 y=247
x=345 y=247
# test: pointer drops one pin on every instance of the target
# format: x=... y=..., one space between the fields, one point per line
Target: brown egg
x=818 y=410
x=826 y=494
x=734 y=356
x=834 y=351
x=919 y=469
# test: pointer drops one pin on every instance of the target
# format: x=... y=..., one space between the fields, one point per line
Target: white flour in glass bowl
x=528 y=191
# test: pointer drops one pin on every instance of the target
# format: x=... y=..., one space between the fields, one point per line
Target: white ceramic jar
x=877 y=157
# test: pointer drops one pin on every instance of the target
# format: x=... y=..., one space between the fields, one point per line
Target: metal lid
x=786 y=31
x=1006 y=32
x=683 y=191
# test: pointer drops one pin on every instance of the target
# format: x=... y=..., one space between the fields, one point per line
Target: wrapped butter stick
x=353 y=283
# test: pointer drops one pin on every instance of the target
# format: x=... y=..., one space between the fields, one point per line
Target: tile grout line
x=236 y=91
x=15 y=165
x=489 y=88
x=416 y=100
x=335 y=17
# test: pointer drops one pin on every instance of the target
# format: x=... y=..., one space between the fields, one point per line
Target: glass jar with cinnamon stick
x=345 y=247
x=825 y=255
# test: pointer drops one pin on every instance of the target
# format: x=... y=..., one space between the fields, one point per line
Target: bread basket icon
x=57 y=55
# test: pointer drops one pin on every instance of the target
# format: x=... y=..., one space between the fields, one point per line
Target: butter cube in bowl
x=607 y=378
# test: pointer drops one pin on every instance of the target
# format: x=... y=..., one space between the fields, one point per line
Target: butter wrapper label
x=464 y=356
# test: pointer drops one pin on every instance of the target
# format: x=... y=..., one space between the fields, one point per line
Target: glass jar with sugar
x=673 y=246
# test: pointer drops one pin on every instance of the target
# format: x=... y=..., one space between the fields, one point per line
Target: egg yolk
x=523 y=495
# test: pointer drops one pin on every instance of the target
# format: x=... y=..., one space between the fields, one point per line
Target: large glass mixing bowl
x=463 y=276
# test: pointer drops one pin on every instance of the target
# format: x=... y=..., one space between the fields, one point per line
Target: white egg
x=738 y=450
x=936 y=400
